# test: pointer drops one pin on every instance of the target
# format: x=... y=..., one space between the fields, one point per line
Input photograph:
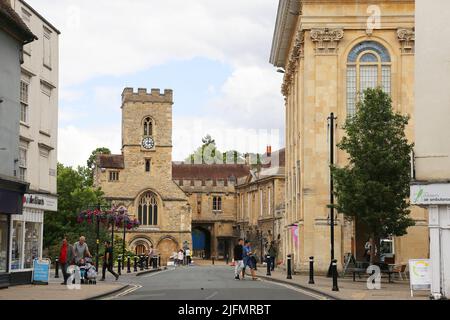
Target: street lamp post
x=97 y=241
x=331 y=123
x=123 y=243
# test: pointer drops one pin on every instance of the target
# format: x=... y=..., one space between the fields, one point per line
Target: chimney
x=269 y=151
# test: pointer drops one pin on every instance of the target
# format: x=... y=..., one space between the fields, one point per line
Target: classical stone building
x=330 y=51
x=177 y=204
x=260 y=210
x=212 y=196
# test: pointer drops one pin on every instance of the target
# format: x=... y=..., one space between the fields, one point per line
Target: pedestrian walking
x=368 y=249
x=108 y=262
x=188 y=256
x=66 y=258
x=81 y=250
x=249 y=257
x=238 y=253
x=273 y=255
x=180 y=257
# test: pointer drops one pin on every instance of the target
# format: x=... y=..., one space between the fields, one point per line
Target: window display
x=16 y=246
x=3 y=243
x=32 y=243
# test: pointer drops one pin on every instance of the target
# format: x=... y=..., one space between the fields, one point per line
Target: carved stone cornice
x=326 y=40
x=296 y=54
x=407 y=38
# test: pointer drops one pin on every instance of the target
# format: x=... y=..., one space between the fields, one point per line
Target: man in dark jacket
x=238 y=253
x=273 y=255
x=108 y=262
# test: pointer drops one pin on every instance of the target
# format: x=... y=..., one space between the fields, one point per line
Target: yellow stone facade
x=133 y=182
x=313 y=48
x=261 y=206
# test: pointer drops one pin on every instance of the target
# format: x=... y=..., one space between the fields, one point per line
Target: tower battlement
x=142 y=95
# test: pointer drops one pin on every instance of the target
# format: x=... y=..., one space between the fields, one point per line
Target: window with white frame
x=47 y=48
x=269 y=201
x=217 y=203
x=261 y=203
x=24 y=94
x=26 y=17
x=368 y=66
x=23 y=153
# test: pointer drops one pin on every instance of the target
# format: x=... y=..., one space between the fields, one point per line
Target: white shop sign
x=40 y=201
x=430 y=194
x=420 y=275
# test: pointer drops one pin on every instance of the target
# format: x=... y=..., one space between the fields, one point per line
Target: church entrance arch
x=166 y=247
x=140 y=246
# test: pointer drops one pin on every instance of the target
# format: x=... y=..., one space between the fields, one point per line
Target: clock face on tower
x=148 y=143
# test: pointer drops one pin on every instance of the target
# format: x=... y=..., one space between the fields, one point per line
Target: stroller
x=88 y=272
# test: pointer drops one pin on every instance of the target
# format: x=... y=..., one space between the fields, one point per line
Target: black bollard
x=311 y=270
x=119 y=266
x=56 y=268
x=135 y=264
x=212 y=260
x=146 y=262
x=335 y=275
x=128 y=265
x=268 y=265
x=159 y=261
x=141 y=263
x=289 y=270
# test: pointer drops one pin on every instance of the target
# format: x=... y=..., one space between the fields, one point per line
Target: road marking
x=212 y=295
x=313 y=295
x=156 y=273
x=123 y=293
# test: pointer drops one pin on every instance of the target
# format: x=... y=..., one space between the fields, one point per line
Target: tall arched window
x=368 y=66
x=148 y=210
x=148 y=127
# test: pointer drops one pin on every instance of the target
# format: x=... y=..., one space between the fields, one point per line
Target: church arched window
x=148 y=127
x=148 y=210
x=368 y=66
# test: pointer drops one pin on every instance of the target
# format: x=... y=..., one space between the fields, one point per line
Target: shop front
x=27 y=236
x=11 y=194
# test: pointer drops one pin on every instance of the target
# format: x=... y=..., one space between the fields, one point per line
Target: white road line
x=156 y=273
x=212 y=295
x=313 y=295
x=128 y=291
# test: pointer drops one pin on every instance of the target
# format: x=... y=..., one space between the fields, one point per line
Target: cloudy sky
x=213 y=54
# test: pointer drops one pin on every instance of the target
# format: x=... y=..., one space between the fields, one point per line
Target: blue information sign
x=41 y=271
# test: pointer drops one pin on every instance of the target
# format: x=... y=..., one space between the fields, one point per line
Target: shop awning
x=11 y=196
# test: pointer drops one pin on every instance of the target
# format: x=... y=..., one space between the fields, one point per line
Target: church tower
x=147 y=132
x=140 y=179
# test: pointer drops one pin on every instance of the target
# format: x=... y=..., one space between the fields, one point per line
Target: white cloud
x=116 y=37
x=189 y=131
x=75 y=144
x=119 y=38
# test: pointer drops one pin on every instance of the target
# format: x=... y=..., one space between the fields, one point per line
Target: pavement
x=55 y=291
x=348 y=290
x=204 y=281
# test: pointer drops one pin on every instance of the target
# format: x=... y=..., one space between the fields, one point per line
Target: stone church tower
x=140 y=179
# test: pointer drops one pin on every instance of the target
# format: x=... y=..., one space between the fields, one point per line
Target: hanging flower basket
x=116 y=216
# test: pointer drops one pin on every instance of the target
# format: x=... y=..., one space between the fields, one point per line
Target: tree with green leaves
x=75 y=193
x=374 y=187
x=88 y=171
x=207 y=153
